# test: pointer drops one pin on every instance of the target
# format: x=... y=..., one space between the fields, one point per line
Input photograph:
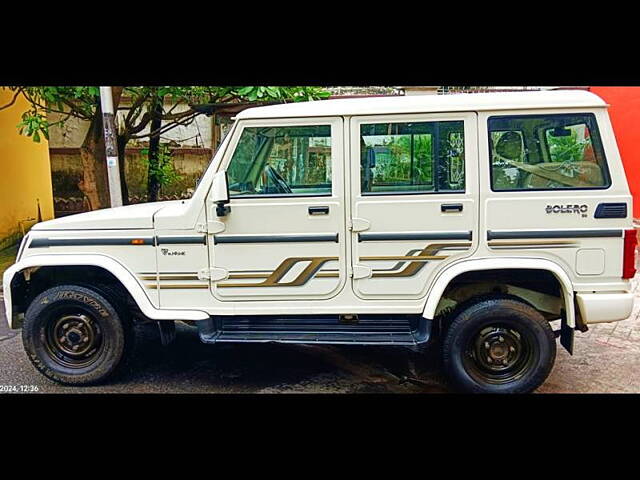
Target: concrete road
x=606 y=359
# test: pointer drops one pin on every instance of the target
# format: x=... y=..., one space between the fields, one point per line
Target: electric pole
x=113 y=172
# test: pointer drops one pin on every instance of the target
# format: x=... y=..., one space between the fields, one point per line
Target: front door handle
x=451 y=207
x=318 y=210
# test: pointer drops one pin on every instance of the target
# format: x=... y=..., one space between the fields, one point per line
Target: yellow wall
x=25 y=173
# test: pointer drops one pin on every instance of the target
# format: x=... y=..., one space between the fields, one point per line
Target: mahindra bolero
x=489 y=226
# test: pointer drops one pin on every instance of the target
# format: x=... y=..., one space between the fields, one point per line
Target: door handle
x=451 y=207
x=318 y=210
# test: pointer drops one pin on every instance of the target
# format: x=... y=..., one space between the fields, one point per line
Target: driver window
x=282 y=161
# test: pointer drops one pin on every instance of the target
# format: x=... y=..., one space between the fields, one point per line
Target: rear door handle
x=451 y=207
x=318 y=210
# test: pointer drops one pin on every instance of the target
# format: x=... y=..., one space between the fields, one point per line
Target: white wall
x=71 y=134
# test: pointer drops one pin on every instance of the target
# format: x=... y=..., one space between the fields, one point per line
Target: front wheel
x=498 y=345
x=75 y=336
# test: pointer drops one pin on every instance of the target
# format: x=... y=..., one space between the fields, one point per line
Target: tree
x=70 y=102
x=147 y=116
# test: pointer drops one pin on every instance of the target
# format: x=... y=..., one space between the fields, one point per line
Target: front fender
x=126 y=278
x=446 y=276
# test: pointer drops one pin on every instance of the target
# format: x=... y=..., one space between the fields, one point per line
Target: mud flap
x=566 y=335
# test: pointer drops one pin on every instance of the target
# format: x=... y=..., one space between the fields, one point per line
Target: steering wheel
x=280 y=182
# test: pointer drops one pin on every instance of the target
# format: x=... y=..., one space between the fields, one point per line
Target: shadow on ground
x=191 y=366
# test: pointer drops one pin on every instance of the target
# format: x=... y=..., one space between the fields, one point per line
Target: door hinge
x=361 y=271
x=211 y=227
x=359 y=225
x=213 y=274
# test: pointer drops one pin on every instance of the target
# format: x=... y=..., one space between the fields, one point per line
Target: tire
x=498 y=344
x=74 y=336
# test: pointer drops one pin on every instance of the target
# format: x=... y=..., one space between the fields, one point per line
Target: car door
x=414 y=200
x=555 y=189
x=284 y=236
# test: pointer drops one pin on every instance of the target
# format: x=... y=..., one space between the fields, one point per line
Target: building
x=25 y=182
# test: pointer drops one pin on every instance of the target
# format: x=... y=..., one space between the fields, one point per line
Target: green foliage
x=33 y=125
x=394 y=167
x=82 y=103
x=297 y=94
x=78 y=102
x=164 y=170
x=567 y=149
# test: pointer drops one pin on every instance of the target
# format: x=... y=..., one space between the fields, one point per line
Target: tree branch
x=13 y=100
x=74 y=107
x=53 y=110
x=167 y=128
x=178 y=116
x=146 y=118
x=135 y=106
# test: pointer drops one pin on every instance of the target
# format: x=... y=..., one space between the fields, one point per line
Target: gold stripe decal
x=273 y=279
x=531 y=244
x=180 y=286
x=164 y=277
x=412 y=265
x=417 y=262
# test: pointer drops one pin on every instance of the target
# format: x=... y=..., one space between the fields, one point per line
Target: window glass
x=282 y=161
x=546 y=152
x=412 y=157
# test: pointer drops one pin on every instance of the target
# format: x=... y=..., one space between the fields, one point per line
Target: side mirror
x=220 y=193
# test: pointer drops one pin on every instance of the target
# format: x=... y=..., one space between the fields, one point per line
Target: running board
x=326 y=330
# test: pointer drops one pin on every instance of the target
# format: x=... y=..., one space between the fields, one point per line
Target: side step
x=369 y=330
x=315 y=337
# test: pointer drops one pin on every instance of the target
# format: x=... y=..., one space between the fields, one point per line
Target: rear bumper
x=604 y=307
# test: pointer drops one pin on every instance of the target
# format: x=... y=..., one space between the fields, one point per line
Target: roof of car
x=470 y=102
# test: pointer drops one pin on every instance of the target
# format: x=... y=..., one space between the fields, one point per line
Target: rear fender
x=449 y=274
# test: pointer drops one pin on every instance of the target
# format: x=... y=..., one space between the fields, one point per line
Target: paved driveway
x=606 y=359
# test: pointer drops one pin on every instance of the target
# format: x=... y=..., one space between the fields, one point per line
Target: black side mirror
x=221 y=194
x=222 y=210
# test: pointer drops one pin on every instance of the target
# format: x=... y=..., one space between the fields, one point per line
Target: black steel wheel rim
x=73 y=338
x=499 y=353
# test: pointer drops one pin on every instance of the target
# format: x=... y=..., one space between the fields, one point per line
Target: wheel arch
x=110 y=265
x=450 y=274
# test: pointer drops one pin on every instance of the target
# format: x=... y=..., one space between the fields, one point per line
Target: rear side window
x=547 y=152
x=412 y=157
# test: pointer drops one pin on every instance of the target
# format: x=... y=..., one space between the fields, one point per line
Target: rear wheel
x=498 y=345
x=74 y=335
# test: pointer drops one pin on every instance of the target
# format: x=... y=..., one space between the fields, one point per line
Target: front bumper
x=605 y=307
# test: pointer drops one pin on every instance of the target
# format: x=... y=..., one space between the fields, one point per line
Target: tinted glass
x=412 y=157
x=282 y=161
x=547 y=152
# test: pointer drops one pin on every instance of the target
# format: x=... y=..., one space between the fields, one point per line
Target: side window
x=546 y=152
x=412 y=157
x=281 y=161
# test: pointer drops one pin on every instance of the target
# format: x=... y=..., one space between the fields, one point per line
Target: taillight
x=629 y=257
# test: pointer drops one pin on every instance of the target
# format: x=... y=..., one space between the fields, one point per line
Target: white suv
x=474 y=221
